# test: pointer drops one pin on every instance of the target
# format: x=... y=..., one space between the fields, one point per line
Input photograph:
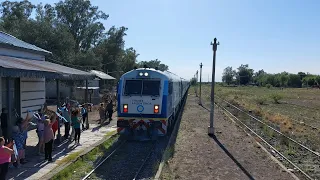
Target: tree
x=318 y=80
x=193 y=81
x=294 y=81
x=228 y=75
x=111 y=49
x=153 y=64
x=302 y=75
x=73 y=32
x=128 y=60
x=244 y=74
x=14 y=16
x=83 y=21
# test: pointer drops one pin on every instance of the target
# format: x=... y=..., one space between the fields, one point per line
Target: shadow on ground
x=37 y=162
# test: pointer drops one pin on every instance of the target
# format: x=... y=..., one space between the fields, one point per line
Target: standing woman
x=76 y=125
x=54 y=129
x=18 y=138
x=40 y=128
x=48 y=137
x=5 y=159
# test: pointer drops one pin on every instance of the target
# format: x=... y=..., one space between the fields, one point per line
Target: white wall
x=32 y=94
x=22 y=54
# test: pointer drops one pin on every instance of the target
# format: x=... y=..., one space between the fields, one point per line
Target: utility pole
x=200 y=103
x=196 y=84
x=214 y=48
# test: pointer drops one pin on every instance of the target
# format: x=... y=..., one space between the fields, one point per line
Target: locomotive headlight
x=146 y=74
x=141 y=74
x=156 y=109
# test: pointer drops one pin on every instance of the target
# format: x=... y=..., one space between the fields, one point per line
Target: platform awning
x=19 y=67
x=101 y=75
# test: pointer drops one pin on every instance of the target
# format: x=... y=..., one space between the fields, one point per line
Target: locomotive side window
x=133 y=87
x=151 y=88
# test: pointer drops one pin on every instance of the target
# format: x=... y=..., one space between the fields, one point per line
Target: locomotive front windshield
x=142 y=87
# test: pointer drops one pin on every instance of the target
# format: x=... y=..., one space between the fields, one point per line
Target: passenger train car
x=148 y=102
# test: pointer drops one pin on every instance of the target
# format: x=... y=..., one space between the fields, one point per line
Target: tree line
x=244 y=75
x=73 y=31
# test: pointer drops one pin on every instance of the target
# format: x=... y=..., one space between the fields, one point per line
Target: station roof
x=8 y=40
x=19 y=67
x=101 y=74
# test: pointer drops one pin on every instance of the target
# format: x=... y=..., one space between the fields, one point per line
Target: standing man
x=4 y=124
x=110 y=110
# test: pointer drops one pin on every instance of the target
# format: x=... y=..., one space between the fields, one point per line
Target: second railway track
x=293 y=154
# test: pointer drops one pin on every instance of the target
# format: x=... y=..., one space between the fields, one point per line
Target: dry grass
x=290 y=109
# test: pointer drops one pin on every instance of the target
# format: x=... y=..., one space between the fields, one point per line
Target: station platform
x=37 y=167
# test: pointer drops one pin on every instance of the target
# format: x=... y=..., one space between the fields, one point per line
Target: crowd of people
x=12 y=147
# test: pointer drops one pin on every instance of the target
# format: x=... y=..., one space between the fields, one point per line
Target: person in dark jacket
x=110 y=110
x=4 y=124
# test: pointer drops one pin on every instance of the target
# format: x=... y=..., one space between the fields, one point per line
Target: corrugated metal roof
x=101 y=74
x=18 y=67
x=13 y=41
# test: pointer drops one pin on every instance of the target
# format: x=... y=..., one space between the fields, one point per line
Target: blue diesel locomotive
x=148 y=102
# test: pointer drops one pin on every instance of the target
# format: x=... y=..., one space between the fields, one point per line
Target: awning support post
x=86 y=102
x=58 y=105
x=9 y=104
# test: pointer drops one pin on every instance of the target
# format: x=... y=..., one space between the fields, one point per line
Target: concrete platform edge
x=87 y=150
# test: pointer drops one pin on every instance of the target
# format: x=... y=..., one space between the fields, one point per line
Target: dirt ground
x=231 y=155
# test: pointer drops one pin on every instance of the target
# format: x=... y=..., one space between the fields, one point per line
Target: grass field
x=293 y=111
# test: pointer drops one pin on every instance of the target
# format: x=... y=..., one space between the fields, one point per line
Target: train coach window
x=151 y=88
x=133 y=87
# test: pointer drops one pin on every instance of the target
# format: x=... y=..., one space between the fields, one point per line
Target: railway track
x=302 y=160
x=127 y=161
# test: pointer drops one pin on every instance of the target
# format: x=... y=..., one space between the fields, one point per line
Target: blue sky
x=272 y=35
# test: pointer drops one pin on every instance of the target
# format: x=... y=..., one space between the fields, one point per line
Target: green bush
x=261 y=100
x=268 y=86
x=276 y=97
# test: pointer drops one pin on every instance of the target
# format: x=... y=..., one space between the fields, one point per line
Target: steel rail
x=310 y=150
x=279 y=153
x=144 y=161
x=89 y=174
